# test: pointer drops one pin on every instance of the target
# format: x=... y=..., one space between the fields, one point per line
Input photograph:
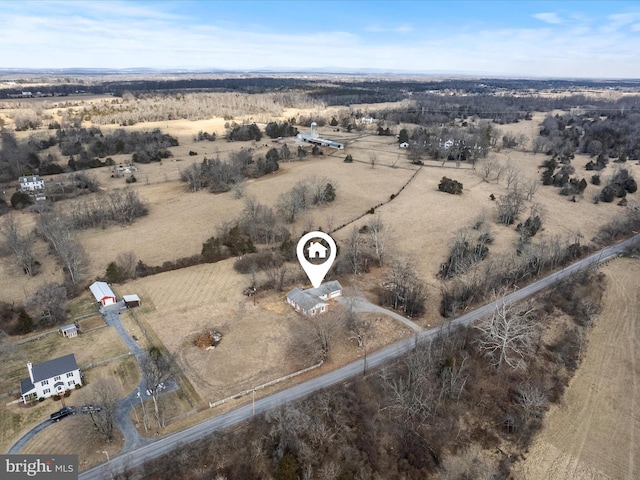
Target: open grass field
x=176 y=306
x=593 y=433
x=91 y=347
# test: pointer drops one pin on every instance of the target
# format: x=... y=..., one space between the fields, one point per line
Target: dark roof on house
x=29 y=178
x=324 y=289
x=26 y=386
x=51 y=368
x=304 y=299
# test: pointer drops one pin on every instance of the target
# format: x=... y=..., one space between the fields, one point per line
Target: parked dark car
x=63 y=412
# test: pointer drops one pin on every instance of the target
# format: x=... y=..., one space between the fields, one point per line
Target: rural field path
x=593 y=433
x=135 y=458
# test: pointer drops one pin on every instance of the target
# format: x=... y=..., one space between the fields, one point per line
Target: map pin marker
x=316 y=250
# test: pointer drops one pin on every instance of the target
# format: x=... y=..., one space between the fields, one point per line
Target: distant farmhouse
x=53 y=377
x=31 y=183
x=313 y=301
x=316 y=140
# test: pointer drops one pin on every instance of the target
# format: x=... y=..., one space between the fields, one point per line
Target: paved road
x=362 y=305
x=166 y=444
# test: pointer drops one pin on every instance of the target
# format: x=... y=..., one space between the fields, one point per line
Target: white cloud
x=549 y=17
x=403 y=28
x=138 y=36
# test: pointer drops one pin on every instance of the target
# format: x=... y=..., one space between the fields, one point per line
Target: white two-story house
x=31 y=183
x=53 y=377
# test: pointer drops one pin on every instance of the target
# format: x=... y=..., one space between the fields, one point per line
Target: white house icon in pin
x=317 y=250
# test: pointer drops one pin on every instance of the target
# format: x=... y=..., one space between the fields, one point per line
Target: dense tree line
x=220 y=176
x=284 y=129
x=243 y=133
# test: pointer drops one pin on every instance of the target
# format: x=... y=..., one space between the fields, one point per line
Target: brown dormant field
x=593 y=433
x=178 y=305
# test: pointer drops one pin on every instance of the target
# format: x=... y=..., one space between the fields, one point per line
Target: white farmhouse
x=53 y=377
x=30 y=183
x=312 y=301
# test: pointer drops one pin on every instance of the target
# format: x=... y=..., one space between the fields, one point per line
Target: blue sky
x=541 y=39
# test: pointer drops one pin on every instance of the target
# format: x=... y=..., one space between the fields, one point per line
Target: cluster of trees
x=469 y=246
x=118 y=206
x=507 y=271
x=58 y=232
x=84 y=146
x=470 y=143
x=18 y=246
x=405 y=290
x=154 y=107
x=410 y=419
x=205 y=136
x=284 y=129
x=243 y=133
x=91 y=142
x=305 y=194
x=451 y=186
x=27 y=119
x=220 y=176
x=620 y=184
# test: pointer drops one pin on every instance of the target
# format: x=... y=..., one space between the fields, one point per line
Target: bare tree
x=378 y=234
x=193 y=177
x=509 y=207
x=416 y=151
x=531 y=399
x=105 y=394
x=314 y=337
x=539 y=145
x=531 y=186
x=358 y=327
x=19 y=246
x=276 y=273
x=56 y=230
x=127 y=262
x=507 y=337
x=512 y=175
x=354 y=250
x=490 y=169
x=156 y=369
x=406 y=292
x=48 y=306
